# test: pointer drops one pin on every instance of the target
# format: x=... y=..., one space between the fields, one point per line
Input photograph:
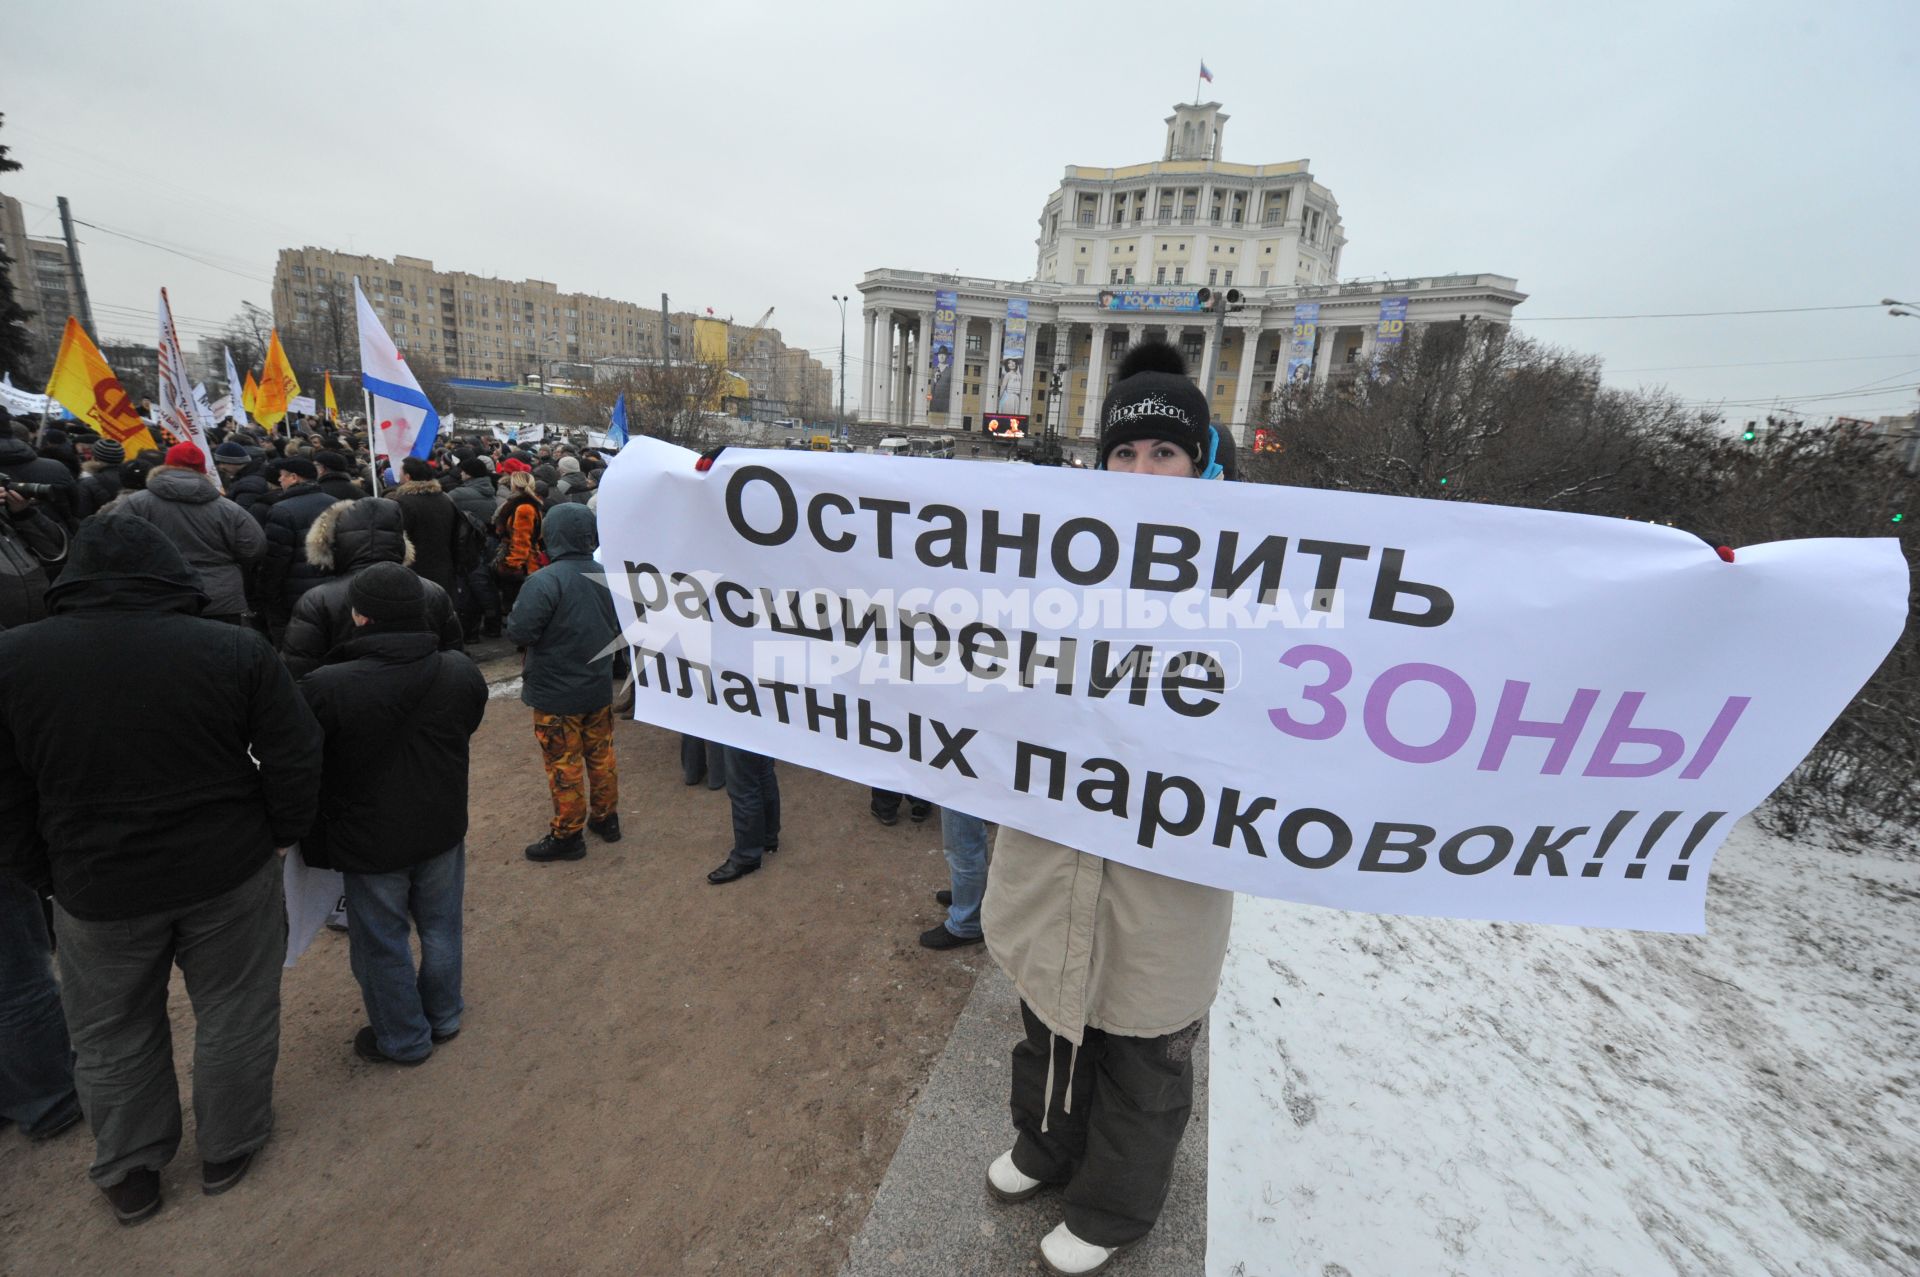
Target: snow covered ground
x=1401 y=1096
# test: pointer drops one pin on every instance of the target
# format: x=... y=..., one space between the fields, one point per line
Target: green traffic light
x=1747 y=437
x=1900 y=518
x=1443 y=483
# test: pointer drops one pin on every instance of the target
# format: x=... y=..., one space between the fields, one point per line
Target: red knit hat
x=186 y=454
x=513 y=465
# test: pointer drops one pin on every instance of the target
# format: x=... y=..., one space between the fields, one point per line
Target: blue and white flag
x=617 y=428
x=404 y=422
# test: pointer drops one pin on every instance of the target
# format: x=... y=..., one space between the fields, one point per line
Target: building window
x=1229 y=279
x=1179 y=274
x=1213 y=277
x=1080 y=275
x=1160 y=275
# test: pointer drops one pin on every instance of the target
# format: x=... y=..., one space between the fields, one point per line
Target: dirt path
x=655 y=1075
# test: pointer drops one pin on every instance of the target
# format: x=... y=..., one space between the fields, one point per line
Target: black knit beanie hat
x=389 y=595
x=1152 y=399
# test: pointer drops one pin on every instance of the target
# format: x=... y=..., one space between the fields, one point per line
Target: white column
x=1209 y=366
x=1323 y=356
x=869 y=324
x=1243 y=392
x=922 y=381
x=990 y=384
x=1025 y=406
x=883 y=365
x=957 y=378
x=1096 y=389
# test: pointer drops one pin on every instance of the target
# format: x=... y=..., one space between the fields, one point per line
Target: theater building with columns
x=1150 y=251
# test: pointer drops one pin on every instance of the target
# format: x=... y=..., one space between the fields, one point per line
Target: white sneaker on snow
x=1006 y=1181
x=1067 y=1256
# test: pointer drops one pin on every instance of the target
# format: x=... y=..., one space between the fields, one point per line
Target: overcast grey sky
x=1622 y=158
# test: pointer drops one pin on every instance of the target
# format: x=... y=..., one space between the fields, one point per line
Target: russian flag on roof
x=405 y=422
x=1206 y=74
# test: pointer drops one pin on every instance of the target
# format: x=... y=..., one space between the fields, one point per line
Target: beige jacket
x=1093 y=943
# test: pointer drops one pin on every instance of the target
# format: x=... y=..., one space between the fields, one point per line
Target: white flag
x=176 y=410
x=236 y=393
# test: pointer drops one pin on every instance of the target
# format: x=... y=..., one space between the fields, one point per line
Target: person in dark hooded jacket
x=171 y=860
x=564 y=618
x=287 y=516
x=347 y=537
x=19 y=461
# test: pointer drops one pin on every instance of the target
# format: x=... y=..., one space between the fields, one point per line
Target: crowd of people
x=311 y=618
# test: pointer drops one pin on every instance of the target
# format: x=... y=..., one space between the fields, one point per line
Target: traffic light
x=1748 y=435
x=1900 y=516
x=1443 y=481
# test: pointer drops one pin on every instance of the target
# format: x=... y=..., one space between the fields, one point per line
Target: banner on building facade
x=1013 y=358
x=1187 y=299
x=1306 y=323
x=946 y=306
x=1392 y=327
x=1366 y=702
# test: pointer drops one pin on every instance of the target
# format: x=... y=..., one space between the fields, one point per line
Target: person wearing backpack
x=480 y=600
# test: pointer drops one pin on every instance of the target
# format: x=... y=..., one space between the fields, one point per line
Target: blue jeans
x=755 y=793
x=36 y=1062
x=407 y=1008
x=966 y=839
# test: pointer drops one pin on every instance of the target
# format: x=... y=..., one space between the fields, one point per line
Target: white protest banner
x=175 y=409
x=22 y=404
x=1371 y=703
x=302 y=404
x=311 y=896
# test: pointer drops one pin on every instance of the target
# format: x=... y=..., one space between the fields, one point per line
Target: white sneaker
x=1006 y=1181
x=1067 y=1256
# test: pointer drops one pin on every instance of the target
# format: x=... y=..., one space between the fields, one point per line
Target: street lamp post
x=843 y=356
x=1896 y=307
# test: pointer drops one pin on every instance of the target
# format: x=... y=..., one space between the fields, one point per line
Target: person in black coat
x=431 y=522
x=336 y=479
x=243 y=475
x=397 y=712
x=152 y=806
x=288 y=515
x=347 y=538
x=67 y=504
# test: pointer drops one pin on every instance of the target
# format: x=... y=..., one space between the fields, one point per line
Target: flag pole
x=373 y=456
x=1196 y=84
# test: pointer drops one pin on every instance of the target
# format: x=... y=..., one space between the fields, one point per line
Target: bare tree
x=668 y=402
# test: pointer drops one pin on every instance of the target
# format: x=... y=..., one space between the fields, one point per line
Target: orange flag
x=278 y=385
x=83 y=383
x=250 y=396
x=333 y=409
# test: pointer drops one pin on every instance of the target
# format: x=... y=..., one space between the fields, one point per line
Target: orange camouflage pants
x=578 y=752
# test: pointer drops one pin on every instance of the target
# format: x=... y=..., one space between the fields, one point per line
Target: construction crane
x=764 y=318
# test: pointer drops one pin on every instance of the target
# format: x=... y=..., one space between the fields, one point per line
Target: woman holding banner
x=1115 y=965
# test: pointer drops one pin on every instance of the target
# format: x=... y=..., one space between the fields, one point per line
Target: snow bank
x=1397 y=1096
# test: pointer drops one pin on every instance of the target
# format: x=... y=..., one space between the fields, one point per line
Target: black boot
x=552 y=848
x=607 y=830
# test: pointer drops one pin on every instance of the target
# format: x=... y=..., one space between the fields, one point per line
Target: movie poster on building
x=1306 y=323
x=1392 y=326
x=946 y=304
x=1013 y=359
